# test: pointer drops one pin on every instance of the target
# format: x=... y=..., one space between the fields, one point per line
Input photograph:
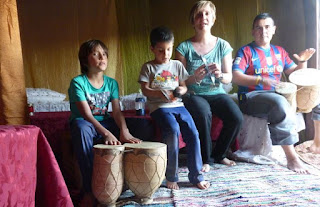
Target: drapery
x=13 y=103
x=52 y=31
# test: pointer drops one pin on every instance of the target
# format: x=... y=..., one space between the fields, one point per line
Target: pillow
x=35 y=95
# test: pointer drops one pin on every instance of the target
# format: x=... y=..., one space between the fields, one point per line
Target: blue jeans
x=276 y=110
x=172 y=121
x=84 y=136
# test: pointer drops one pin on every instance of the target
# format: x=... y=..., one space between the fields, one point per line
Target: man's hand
x=305 y=55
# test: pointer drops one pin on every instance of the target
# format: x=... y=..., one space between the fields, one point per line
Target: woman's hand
x=200 y=73
x=305 y=55
x=215 y=69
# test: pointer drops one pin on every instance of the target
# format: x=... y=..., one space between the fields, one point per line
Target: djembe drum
x=289 y=91
x=308 y=94
x=107 y=175
x=144 y=168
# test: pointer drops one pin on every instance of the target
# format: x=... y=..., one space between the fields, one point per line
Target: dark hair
x=161 y=34
x=262 y=16
x=85 y=50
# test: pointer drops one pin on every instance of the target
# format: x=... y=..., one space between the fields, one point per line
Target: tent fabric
x=51 y=33
x=13 y=105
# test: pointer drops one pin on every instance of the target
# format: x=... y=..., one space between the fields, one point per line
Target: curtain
x=13 y=105
x=52 y=31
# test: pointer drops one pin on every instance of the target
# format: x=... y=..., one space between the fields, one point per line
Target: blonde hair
x=200 y=5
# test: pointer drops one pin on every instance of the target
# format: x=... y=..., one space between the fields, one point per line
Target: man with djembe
x=257 y=69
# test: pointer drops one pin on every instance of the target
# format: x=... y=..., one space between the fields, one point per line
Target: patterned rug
x=246 y=184
x=307 y=156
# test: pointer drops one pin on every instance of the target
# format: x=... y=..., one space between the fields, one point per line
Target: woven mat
x=307 y=156
x=246 y=184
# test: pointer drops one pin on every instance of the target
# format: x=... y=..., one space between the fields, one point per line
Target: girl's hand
x=126 y=137
x=110 y=139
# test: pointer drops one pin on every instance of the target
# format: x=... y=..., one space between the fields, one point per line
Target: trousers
x=201 y=109
x=171 y=122
x=276 y=110
x=84 y=137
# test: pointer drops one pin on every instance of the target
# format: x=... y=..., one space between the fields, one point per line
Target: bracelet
x=221 y=77
x=258 y=80
x=303 y=61
x=197 y=82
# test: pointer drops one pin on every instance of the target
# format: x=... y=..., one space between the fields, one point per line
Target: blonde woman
x=208 y=60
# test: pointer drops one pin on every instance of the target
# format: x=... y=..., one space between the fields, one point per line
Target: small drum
x=289 y=91
x=308 y=94
x=107 y=175
x=144 y=168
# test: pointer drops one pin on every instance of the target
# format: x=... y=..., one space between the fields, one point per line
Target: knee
x=199 y=107
x=238 y=119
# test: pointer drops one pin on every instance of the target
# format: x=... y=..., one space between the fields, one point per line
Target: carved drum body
x=308 y=94
x=107 y=175
x=145 y=166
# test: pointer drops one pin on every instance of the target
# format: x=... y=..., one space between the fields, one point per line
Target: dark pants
x=201 y=109
x=84 y=136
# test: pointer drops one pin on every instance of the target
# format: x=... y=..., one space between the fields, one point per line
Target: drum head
x=104 y=146
x=286 y=88
x=305 y=77
x=145 y=145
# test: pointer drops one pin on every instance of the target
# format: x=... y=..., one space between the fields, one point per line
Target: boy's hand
x=177 y=92
x=168 y=95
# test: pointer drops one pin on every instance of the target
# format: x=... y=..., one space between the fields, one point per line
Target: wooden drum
x=308 y=94
x=289 y=91
x=107 y=175
x=144 y=168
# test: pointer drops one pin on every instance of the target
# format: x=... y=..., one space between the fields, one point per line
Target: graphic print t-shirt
x=98 y=99
x=163 y=76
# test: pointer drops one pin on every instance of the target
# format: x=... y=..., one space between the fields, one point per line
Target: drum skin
x=289 y=91
x=144 y=168
x=308 y=94
x=107 y=175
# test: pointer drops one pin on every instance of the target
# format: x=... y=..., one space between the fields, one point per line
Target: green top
x=194 y=61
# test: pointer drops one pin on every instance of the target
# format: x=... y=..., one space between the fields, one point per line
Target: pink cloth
x=29 y=175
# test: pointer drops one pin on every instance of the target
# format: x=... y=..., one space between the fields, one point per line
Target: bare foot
x=172 y=185
x=228 y=162
x=205 y=168
x=315 y=149
x=88 y=200
x=297 y=166
x=203 y=185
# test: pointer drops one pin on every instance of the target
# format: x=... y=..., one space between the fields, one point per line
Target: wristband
x=303 y=61
x=258 y=80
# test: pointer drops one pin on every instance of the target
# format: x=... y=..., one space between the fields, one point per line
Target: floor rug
x=306 y=155
x=245 y=184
